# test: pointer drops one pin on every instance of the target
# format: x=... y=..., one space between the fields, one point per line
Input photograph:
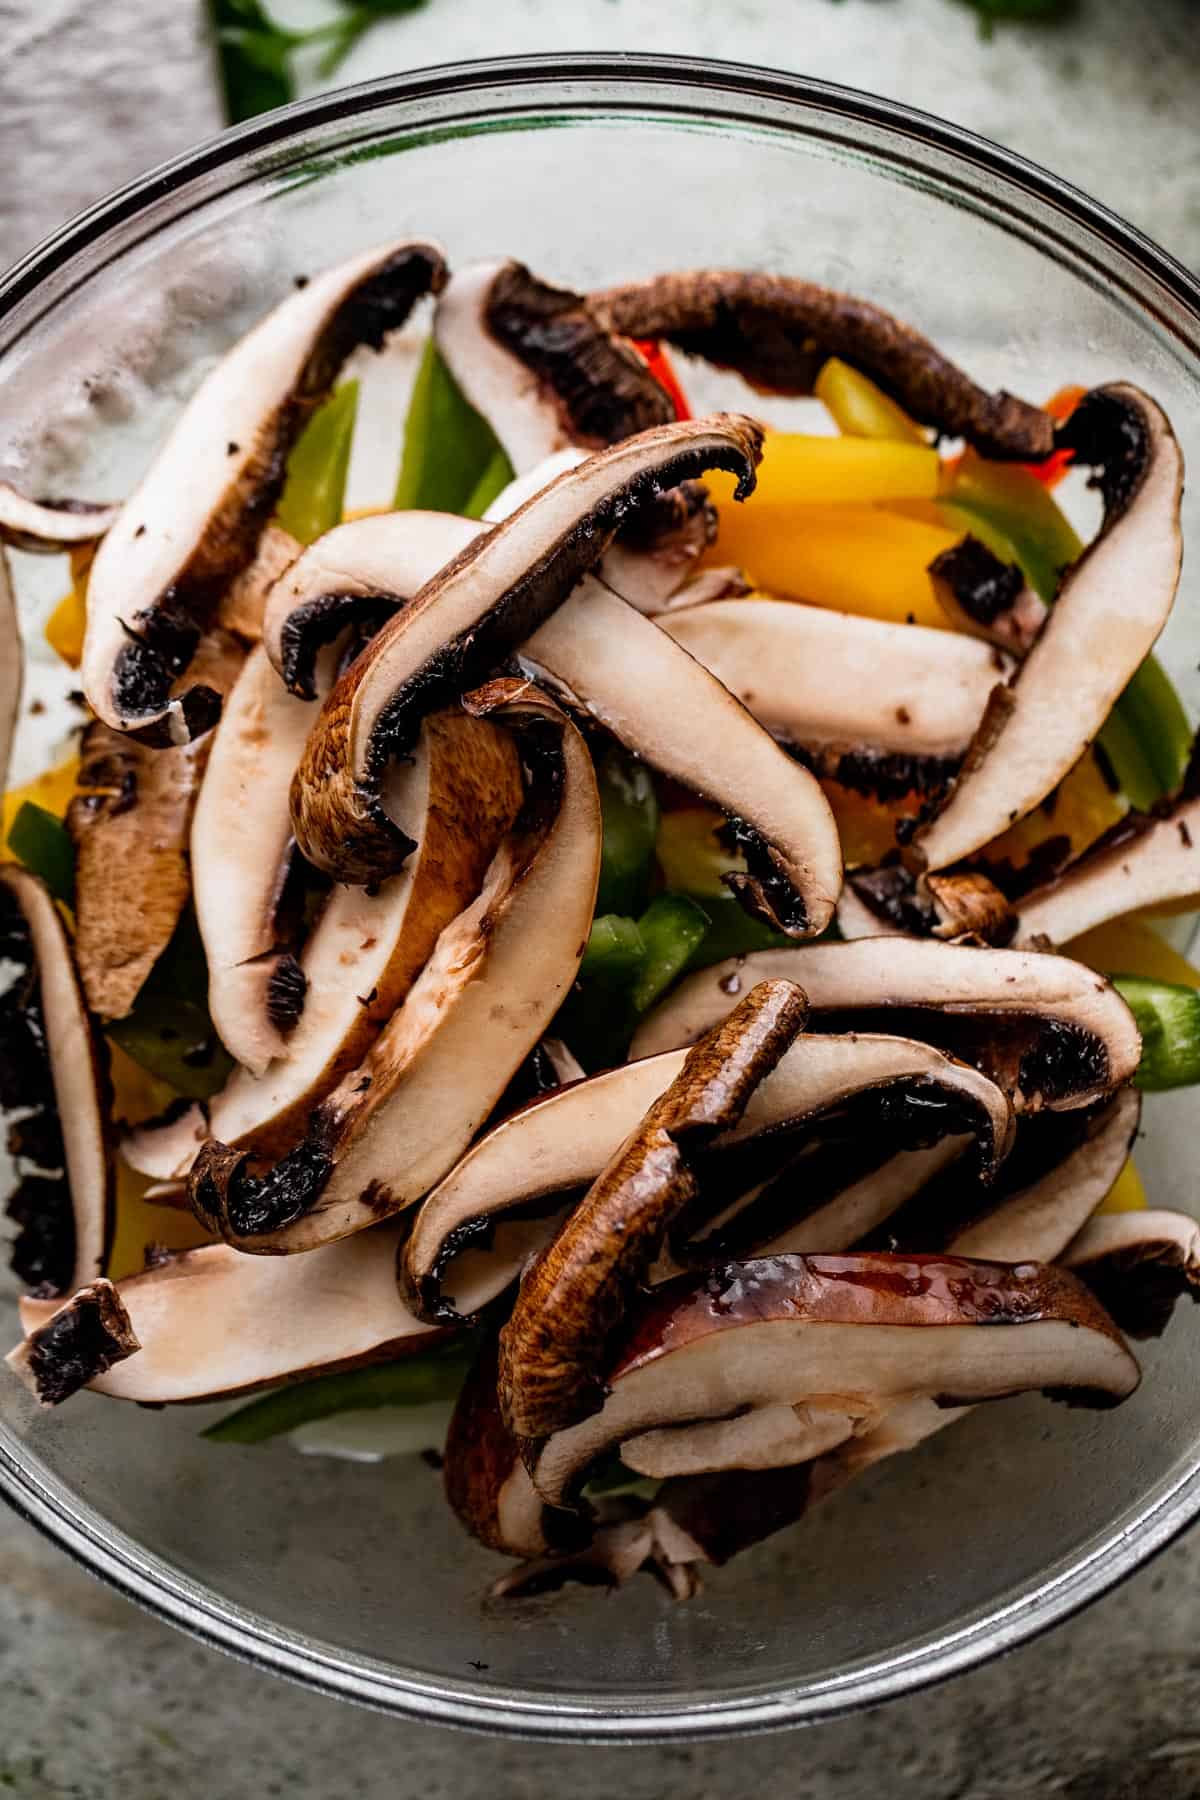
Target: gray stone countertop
x=99 y=1700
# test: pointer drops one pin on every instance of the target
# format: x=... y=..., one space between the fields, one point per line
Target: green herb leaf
x=253 y=56
x=40 y=841
x=417 y=1380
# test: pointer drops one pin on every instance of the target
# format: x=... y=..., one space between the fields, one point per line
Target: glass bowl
x=357 y=1579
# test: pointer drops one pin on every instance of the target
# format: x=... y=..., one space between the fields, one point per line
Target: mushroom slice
x=498 y=974
x=48 y=527
x=649 y=562
x=987 y=597
x=12 y=665
x=366 y=949
x=357 y=574
x=196 y=519
x=657 y=699
x=1051 y=1032
x=573 y=1299
x=1112 y=604
x=467 y=619
x=535 y=362
x=211 y=1323
x=1060 y=1168
x=49 y=1064
x=617 y=666
x=777 y=331
x=243 y=604
x=885 y=709
x=76 y=1344
x=1143 y=861
x=130 y=821
x=503 y=1201
x=241 y=847
x=1138 y=1264
x=853 y=1334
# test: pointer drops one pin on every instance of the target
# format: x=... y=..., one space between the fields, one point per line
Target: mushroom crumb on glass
x=638 y=942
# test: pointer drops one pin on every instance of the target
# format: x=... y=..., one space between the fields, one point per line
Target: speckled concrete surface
x=98 y=1700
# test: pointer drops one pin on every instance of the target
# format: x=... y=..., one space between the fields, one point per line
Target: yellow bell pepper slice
x=817 y=471
x=67 y=623
x=859 y=408
x=1126 y=1194
x=856 y=559
x=1129 y=946
x=1081 y=808
x=52 y=789
x=138 y=1223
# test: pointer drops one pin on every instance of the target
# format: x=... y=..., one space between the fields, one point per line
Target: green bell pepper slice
x=673 y=929
x=421 y=1379
x=448 y=447
x=1168 y=1017
x=629 y=814
x=313 y=500
x=40 y=842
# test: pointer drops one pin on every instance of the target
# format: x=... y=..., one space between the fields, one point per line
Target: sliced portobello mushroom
x=986 y=597
x=461 y=791
x=1049 y=1031
x=499 y=972
x=649 y=562
x=12 y=666
x=659 y=701
x=48 y=527
x=466 y=620
x=618 y=667
x=883 y=709
x=1138 y=1264
x=74 y=1344
x=850 y=1334
x=243 y=604
x=1111 y=605
x=211 y=1323
x=195 y=521
x=777 y=331
x=573 y=1298
x=1143 y=861
x=502 y=1202
x=241 y=852
x=535 y=362
x=1059 y=1170
x=52 y=1074
x=130 y=822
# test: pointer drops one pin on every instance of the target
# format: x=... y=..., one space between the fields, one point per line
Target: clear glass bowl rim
x=706 y=89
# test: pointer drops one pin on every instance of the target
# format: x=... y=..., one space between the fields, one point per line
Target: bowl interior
x=357 y=1577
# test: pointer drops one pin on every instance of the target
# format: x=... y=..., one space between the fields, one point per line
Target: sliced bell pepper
x=495 y=478
x=169 y=1031
x=659 y=365
x=1052 y=469
x=857 y=559
x=1132 y=945
x=420 y=1379
x=859 y=408
x=834 y=471
x=139 y=1223
x=1168 y=1017
x=629 y=810
x=447 y=444
x=692 y=856
x=39 y=840
x=1127 y=1194
x=615 y=950
x=314 y=494
x=732 y=931
x=52 y=790
x=673 y=928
